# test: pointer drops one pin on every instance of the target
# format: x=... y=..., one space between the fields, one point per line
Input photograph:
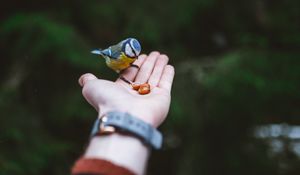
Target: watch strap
x=126 y=122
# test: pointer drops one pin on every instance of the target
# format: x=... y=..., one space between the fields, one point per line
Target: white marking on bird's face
x=136 y=50
x=128 y=51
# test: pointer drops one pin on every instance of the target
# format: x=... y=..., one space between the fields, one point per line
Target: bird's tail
x=97 y=52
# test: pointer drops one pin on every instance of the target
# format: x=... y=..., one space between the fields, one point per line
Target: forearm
x=122 y=150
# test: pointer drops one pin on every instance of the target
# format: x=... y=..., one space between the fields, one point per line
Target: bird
x=122 y=55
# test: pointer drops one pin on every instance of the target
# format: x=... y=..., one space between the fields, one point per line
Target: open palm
x=108 y=96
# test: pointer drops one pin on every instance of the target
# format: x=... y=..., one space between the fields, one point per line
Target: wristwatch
x=126 y=123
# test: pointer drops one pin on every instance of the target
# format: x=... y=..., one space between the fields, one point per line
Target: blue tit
x=120 y=56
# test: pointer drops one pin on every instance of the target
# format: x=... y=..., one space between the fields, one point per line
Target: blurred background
x=235 y=100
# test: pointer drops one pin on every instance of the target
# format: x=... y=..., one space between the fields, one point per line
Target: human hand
x=106 y=96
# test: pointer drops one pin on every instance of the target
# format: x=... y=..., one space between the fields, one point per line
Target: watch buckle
x=107 y=129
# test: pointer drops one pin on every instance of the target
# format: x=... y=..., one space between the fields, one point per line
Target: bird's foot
x=125 y=80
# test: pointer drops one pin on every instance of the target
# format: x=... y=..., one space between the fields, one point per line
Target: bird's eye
x=129 y=51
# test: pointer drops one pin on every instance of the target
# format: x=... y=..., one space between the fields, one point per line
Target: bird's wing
x=106 y=52
x=115 y=51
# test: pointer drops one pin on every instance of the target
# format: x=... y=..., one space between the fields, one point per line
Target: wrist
x=146 y=117
x=119 y=149
x=122 y=122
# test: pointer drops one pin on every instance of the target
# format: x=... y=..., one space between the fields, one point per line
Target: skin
x=106 y=96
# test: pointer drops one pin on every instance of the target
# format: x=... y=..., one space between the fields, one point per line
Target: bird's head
x=132 y=47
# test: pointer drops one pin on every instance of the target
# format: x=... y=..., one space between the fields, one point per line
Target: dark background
x=237 y=70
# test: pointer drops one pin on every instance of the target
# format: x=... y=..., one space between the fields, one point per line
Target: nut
x=135 y=86
x=144 y=89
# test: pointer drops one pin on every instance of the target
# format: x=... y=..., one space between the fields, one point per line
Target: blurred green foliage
x=237 y=66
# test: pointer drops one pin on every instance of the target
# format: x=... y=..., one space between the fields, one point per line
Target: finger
x=131 y=72
x=146 y=68
x=160 y=64
x=167 y=78
x=85 y=78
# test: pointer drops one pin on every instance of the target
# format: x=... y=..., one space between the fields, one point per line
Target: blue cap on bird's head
x=132 y=47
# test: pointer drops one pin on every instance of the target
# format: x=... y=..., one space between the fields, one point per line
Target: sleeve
x=98 y=167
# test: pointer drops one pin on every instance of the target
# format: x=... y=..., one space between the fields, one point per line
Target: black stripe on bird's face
x=133 y=50
x=129 y=51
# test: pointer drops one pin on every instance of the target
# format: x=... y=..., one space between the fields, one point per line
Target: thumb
x=85 y=78
x=88 y=89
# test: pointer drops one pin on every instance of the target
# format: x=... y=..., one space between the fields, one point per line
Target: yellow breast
x=121 y=63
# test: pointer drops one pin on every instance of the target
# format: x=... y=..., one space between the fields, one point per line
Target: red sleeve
x=98 y=167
